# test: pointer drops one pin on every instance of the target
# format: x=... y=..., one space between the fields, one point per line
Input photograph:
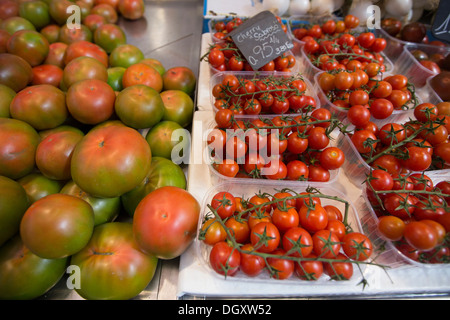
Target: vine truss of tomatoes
x=416 y=145
x=293 y=148
x=262 y=94
x=413 y=213
x=364 y=93
x=284 y=233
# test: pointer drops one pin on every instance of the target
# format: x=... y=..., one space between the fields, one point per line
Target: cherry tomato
x=381 y=180
x=251 y=264
x=285 y=218
x=224 y=259
x=421 y=236
x=213 y=232
x=400 y=205
x=310 y=269
x=339 y=270
x=297 y=242
x=265 y=237
x=357 y=246
x=333 y=213
x=391 y=227
x=364 y=141
x=282 y=268
x=332 y=158
x=326 y=244
x=224 y=203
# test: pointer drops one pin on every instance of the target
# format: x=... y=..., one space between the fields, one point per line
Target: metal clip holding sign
x=261 y=39
x=441 y=24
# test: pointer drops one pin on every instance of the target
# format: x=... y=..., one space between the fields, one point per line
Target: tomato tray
x=341 y=113
x=370 y=220
x=248 y=189
x=263 y=75
x=410 y=67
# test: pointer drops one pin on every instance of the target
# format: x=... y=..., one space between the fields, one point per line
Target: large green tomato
x=115 y=76
x=13 y=24
x=110 y=160
x=112 y=266
x=15 y=72
x=18 y=146
x=13 y=204
x=30 y=45
x=68 y=223
x=155 y=64
x=179 y=107
x=6 y=96
x=125 y=55
x=169 y=140
x=24 y=275
x=180 y=78
x=139 y=106
x=105 y=209
x=37 y=12
x=38 y=186
x=109 y=36
x=163 y=172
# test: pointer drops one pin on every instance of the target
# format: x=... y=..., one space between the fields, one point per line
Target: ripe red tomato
x=285 y=218
x=332 y=158
x=339 y=270
x=357 y=246
x=280 y=268
x=364 y=141
x=265 y=237
x=251 y=264
x=297 y=242
x=224 y=203
x=421 y=236
x=326 y=244
x=400 y=205
x=309 y=269
x=163 y=227
x=224 y=259
x=313 y=220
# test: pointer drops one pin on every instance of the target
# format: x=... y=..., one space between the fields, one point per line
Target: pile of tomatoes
x=262 y=94
x=365 y=95
x=284 y=233
x=331 y=46
x=416 y=145
x=281 y=148
x=413 y=211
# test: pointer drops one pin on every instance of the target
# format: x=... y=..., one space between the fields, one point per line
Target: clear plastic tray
x=247 y=190
x=394 y=47
x=296 y=21
x=371 y=220
x=295 y=69
x=217 y=178
x=410 y=67
x=212 y=30
x=427 y=93
x=218 y=77
x=341 y=113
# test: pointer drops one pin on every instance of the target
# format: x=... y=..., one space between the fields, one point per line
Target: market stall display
x=323 y=173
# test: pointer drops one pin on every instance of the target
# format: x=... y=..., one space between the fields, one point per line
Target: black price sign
x=261 y=39
x=441 y=24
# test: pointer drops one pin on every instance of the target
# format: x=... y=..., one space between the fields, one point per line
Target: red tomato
x=313 y=220
x=224 y=204
x=310 y=269
x=339 y=270
x=164 y=227
x=364 y=141
x=332 y=158
x=251 y=264
x=238 y=228
x=297 y=242
x=224 y=259
x=421 y=236
x=326 y=244
x=357 y=246
x=265 y=237
x=280 y=268
x=213 y=232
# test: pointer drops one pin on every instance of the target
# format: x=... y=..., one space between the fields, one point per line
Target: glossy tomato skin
x=163 y=172
x=180 y=78
x=15 y=72
x=16 y=261
x=139 y=106
x=83 y=68
x=90 y=101
x=131 y=9
x=110 y=160
x=112 y=265
x=30 y=45
x=13 y=204
x=83 y=48
x=54 y=153
x=42 y=106
x=109 y=36
x=224 y=259
x=179 y=107
x=18 y=146
x=165 y=227
x=105 y=209
x=68 y=221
